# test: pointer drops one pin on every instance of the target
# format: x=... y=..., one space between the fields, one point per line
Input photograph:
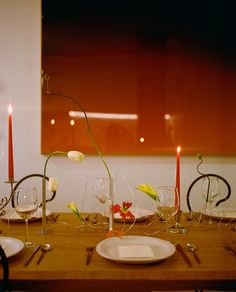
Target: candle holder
x=6 y=199
x=177 y=227
x=18 y=184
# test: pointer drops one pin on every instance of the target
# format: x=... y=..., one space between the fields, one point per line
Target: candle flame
x=178 y=149
x=10 y=109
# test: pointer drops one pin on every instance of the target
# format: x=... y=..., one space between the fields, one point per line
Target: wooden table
x=65 y=269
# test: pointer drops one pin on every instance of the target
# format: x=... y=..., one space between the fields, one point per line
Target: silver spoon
x=44 y=248
x=193 y=248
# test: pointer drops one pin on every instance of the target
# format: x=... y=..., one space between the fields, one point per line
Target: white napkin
x=135 y=251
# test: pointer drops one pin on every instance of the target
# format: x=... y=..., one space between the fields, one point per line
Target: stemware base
x=29 y=244
x=177 y=228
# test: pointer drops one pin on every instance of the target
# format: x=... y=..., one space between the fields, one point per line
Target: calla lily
x=52 y=184
x=75 y=210
x=148 y=189
x=75 y=156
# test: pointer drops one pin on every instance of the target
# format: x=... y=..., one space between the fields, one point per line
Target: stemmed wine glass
x=167 y=205
x=167 y=202
x=96 y=203
x=26 y=203
x=210 y=191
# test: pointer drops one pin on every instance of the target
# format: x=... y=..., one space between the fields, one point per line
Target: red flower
x=123 y=210
x=115 y=208
x=126 y=205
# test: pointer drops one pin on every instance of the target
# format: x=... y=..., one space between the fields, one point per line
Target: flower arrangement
x=125 y=214
x=123 y=209
x=53 y=182
x=74 y=100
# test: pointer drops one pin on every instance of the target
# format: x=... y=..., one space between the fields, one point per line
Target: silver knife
x=182 y=252
x=36 y=249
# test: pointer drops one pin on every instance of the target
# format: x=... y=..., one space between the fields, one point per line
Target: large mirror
x=150 y=76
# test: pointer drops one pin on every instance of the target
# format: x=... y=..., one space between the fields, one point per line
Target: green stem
x=201 y=161
x=86 y=118
x=201 y=173
x=49 y=156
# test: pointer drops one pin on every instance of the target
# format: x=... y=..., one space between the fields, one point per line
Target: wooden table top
x=64 y=268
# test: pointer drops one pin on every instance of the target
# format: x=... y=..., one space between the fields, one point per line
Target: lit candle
x=10 y=147
x=178 y=172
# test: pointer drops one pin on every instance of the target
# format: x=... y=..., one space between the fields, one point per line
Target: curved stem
x=201 y=161
x=201 y=173
x=49 y=156
x=47 y=77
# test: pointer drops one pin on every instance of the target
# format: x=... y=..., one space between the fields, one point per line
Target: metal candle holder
x=5 y=200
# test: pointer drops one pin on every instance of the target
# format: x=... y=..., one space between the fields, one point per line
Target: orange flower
x=123 y=210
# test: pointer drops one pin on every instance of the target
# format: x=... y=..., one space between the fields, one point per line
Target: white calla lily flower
x=75 y=155
x=52 y=184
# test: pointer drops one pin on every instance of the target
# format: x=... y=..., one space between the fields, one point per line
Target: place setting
x=25 y=202
x=135 y=249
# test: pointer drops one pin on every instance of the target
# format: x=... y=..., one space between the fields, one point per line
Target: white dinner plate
x=154 y=249
x=11 y=245
x=12 y=216
x=140 y=215
x=223 y=214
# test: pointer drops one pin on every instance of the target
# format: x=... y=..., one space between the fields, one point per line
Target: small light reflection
x=72 y=122
x=53 y=121
x=167 y=117
x=113 y=116
x=141 y=139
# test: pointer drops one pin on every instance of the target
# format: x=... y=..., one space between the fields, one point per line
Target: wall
x=20 y=63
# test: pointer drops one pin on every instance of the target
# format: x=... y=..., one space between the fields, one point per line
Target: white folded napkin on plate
x=135 y=251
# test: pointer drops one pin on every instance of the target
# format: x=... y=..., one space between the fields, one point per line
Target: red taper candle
x=10 y=147
x=178 y=172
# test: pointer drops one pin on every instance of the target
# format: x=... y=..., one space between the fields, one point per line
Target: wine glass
x=26 y=203
x=95 y=204
x=210 y=191
x=167 y=202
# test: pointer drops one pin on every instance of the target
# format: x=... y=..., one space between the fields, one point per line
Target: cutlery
x=230 y=248
x=182 y=252
x=44 y=248
x=192 y=248
x=89 y=254
x=36 y=249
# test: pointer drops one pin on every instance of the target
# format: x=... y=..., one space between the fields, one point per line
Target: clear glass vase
x=100 y=197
